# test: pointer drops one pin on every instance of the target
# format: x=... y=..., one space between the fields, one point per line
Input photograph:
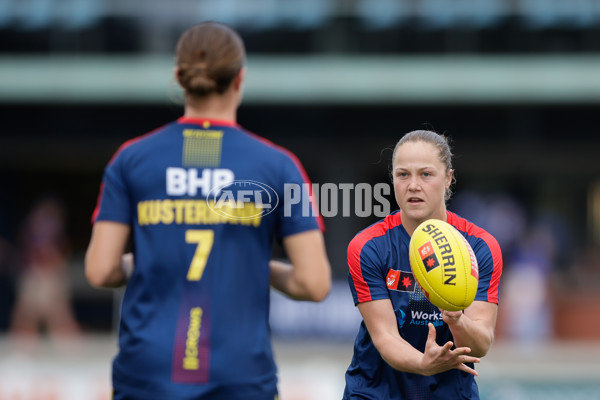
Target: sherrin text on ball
x=444 y=265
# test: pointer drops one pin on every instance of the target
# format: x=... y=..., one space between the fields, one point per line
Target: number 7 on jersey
x=204 y=239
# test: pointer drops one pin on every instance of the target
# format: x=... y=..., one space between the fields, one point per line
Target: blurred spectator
x=500 y=214
x=5 y=279
x=531 y=251
x=527 y=312
x=7 y=225
x=585 y=270
x=530 y=302
x=42 y=299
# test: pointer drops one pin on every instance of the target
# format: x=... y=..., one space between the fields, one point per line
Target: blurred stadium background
x=515 y=83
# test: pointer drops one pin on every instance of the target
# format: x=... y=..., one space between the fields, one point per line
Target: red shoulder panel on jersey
x=355 y=248
x=473 y=230
x=120 y=149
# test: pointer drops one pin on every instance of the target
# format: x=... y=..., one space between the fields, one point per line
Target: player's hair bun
x=209 y=57
x=195 y=79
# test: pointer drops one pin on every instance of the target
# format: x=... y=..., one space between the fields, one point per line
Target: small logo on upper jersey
x=403 y=281
x=430 y=260
x=391 y=281
x=258 y=198
x=401 y=318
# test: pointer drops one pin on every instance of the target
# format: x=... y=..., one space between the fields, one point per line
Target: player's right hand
x=438 y=358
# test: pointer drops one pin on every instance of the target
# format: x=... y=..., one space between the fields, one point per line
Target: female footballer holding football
x=407 y=348
x=192 y=196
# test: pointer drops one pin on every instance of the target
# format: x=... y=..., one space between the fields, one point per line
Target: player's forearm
x=111 y=278
x=282 y=279
x=105 y=264
x=288 y=280
x=108 y=275
x=474 y=334
x=400 y=355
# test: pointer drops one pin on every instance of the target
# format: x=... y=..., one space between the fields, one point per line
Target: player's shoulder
x=374 y=231
x=265 y=147
x=473 y=231
x=464 y=225
x=137 y=143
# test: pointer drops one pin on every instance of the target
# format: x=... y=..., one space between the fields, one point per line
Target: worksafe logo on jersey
x=419 y=317
x=258 y=198
x=401 y=317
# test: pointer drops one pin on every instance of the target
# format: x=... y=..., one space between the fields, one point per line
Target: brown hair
x=209 y=57
x=440 y=141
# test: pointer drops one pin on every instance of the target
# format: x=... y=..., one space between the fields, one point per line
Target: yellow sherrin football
x=444 y=265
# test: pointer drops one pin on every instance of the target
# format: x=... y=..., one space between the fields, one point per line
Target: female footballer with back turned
x=193 y=197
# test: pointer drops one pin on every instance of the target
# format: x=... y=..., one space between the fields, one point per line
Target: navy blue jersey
x=204 y=199
x=379 y=268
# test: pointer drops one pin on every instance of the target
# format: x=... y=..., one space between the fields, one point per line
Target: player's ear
x=449 y=179
x=176 y=75
x=239 y=79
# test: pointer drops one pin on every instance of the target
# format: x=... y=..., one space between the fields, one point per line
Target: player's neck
x=411 y=223
x=205 y=114
x=221 y=108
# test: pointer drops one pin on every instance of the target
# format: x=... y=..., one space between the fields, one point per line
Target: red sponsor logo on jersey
x=391 y=279
x=403 y=281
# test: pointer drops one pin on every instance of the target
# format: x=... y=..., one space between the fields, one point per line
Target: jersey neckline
x=206 y=122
